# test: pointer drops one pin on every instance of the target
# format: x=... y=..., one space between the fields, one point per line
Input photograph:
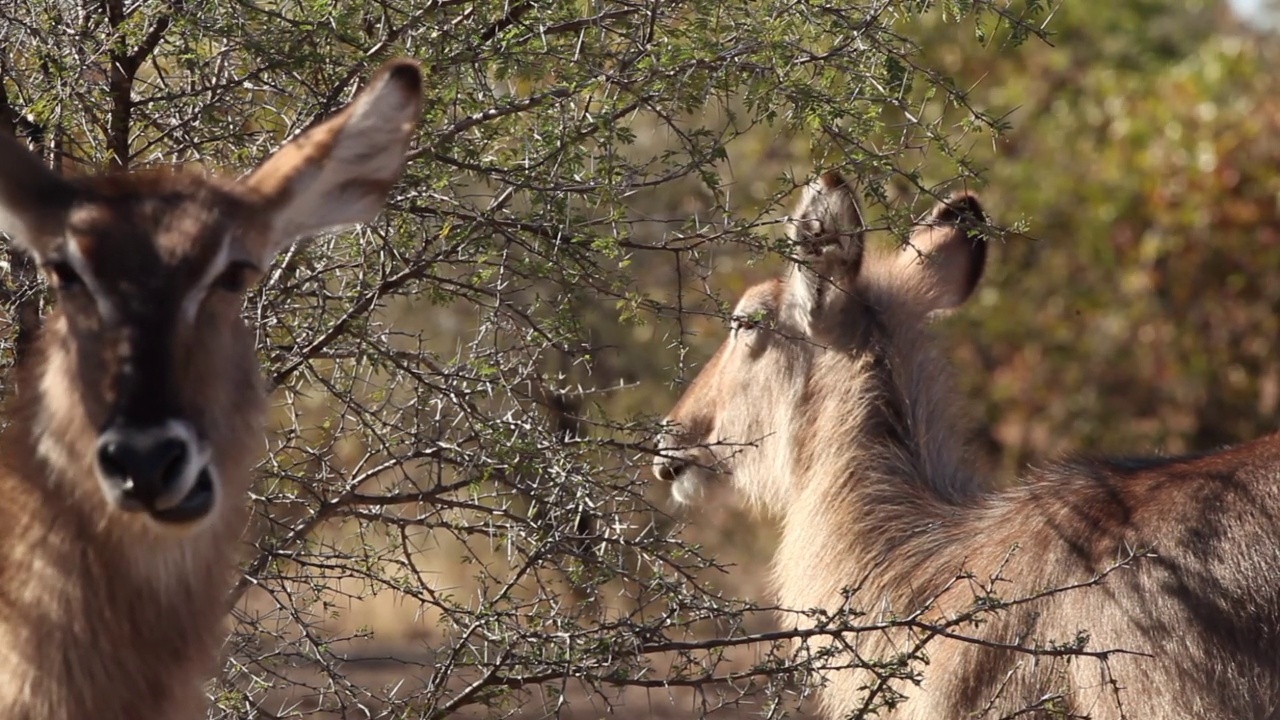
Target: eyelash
x=742 y=322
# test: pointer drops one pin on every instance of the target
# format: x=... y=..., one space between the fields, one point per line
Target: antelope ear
x=827 y=230
x=33 y=200
x=340 y=172
x=947 y=253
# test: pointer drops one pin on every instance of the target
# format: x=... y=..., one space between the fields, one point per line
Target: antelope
x=139 y=411
x=829 y=408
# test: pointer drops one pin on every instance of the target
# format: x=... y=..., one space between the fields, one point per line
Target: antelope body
x=828 y=407
x=125 y=466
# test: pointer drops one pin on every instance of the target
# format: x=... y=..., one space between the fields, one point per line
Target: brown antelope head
x=143 y=395
x=828 y=326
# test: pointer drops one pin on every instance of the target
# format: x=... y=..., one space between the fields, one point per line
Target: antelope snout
x=685 y=467
x=669 y=461
x=162 y=470
x=668 y=467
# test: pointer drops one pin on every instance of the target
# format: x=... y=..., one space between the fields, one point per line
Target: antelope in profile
x=828 y=406
x=126 y=463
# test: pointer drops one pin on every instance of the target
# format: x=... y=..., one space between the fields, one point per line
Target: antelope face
x=724 y=415
x=741 y=414
x=147 y=378
x=151 y=365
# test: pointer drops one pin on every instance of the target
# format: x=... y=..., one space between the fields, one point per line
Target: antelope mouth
x=686 y=476
x=163 y=471
x=195 y=505
x=191 y=507
x=687 y=487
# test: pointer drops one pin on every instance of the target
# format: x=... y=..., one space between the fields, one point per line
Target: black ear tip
x=831 y=180
x=405 y=72
x=960 y=207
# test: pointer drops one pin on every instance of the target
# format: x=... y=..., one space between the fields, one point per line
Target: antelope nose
x=667 y=469
x=147 y=472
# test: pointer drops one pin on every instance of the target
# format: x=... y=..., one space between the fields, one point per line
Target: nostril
x=668 y=469
x=170 y=460
x=111 y=465
x=143 y=470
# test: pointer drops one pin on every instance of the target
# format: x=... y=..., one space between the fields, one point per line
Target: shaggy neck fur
x=100 y=615
x=900 y=471
x=879 y=478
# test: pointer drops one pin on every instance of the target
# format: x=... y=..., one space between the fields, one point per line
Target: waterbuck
x=828 y=406
x=126 y=461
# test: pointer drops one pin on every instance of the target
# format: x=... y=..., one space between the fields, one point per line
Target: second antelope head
x=820 y=334
x=143 y=396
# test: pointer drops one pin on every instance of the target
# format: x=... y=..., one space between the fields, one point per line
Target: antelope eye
x=235 y=278
x=742 y=322
x=64 y=276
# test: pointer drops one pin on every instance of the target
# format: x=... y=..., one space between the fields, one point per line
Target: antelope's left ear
x=340 y=172
x=34 y=201
x=947 y=253
x=827 y=229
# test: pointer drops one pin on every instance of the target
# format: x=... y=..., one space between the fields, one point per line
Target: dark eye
x=64 y=276
x=236 y=277
x=742 y=322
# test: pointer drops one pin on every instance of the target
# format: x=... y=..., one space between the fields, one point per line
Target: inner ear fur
x=827 y=227
x=340 y=172
x=33 y=200
x=947 y=253
x=827 y=231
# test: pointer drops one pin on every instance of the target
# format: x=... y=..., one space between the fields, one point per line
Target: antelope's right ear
x=33 y=200
x=340 y=172
x=827 y=230
x=947 y=253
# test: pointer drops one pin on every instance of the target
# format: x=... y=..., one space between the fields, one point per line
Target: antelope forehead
x=170 y=221
x=194 y=233
x=143 y=263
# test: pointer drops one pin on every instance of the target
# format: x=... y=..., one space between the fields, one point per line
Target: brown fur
x=836 y=415
x=112 y=614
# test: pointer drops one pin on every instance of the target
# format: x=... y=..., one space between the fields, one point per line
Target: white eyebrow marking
x=196 y=295
x=76 y=259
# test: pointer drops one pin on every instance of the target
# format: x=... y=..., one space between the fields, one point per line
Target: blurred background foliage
x=1138 y=314
x=456 y=515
